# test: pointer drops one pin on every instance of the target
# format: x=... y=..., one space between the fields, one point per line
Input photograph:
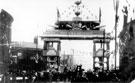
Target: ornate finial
x=78 y=2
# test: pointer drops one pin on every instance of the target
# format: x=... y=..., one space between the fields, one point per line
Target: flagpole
x=115 y=40
x=116 y=5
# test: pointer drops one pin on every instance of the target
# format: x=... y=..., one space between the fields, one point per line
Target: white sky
x=32 y=17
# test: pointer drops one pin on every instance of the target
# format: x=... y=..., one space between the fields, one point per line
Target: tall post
x=116 y=21
x=36 y=42
x=36 y=47
x=115 y=41
x=116 y=6
x=103 y=48
x=94 y=52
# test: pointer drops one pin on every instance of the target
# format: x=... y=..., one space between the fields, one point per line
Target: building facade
x=5 y=39
x=127 y=47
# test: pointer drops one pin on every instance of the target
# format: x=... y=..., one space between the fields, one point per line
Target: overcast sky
x=32 y=17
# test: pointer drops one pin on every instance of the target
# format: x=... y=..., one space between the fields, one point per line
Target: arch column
x=51 y=53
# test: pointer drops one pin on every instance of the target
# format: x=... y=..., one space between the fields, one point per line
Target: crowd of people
x=36 y=72
x=74 y=75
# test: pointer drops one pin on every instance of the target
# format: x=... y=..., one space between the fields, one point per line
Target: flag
x=58 y=13
x=100 y=15
x=116 y=5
